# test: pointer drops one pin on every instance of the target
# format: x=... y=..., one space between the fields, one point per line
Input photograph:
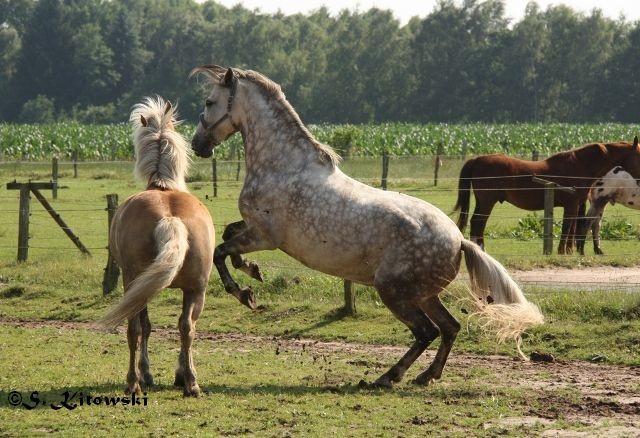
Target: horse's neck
x=273 y=138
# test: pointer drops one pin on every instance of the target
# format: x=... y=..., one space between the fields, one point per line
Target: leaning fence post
x=214 y=175
x=54 y=177
x=385 y=169
x=111 y=271
x=23 y=223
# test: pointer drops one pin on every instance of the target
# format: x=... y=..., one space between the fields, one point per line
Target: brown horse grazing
x=498 y=178
x=161 y=237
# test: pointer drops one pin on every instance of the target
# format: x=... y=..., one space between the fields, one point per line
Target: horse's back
x=136 y=219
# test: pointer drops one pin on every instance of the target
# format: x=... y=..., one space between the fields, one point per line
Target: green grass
x=251 y=389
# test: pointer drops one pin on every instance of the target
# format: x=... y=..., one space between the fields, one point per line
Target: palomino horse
x=618 y=186
x=498 y=178
x=161 y=237
x=295 y=198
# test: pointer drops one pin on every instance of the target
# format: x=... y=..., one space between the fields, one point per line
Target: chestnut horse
x=295 y=198
x=161 y=237
x=497 y=178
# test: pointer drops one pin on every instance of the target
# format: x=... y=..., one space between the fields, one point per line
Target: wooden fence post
x=214 y=175
x=23 y=224
x=547 y=247
x=74 y=157
x=239 y=164
x=549 y=188
x=385 y=169
x=534 y=155
x=437 y=164
x=54 y=177
x=111 y=272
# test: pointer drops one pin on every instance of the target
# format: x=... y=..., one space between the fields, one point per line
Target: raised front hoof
x=193 y=391
x=254 y=271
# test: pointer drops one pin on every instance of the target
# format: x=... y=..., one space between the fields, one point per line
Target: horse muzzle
x=202 y=147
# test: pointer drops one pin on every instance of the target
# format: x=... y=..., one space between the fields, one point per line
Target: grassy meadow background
x=256 y=389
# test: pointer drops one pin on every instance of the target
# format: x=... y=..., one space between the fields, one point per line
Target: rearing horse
x=295 y=198
x=161 y=237
x=497 y=178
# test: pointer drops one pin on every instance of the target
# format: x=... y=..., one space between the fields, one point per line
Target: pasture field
x=292 y=367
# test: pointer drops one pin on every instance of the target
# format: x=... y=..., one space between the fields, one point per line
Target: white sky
x=405 y=9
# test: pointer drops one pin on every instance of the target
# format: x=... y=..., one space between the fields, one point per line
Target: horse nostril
x=203 y=122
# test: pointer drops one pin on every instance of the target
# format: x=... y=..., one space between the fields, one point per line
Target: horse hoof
x=255 y=272
x=147 y=380
x=248 y=298
x=133 y=389
x=375 y=385
x=194 y=391
x=179 y=380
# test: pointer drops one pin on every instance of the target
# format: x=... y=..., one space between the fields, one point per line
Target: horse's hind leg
x=134 y=333
x=250 y=268
x=449 y=329
x=192 y=304
x=422 y=328
x=145 y=324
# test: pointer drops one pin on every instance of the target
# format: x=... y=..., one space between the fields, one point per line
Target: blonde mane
x=214 y=75
x=162 y=154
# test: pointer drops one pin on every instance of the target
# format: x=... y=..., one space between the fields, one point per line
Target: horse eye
x=208 y=103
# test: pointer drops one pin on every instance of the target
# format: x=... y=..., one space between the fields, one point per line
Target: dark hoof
x=255 y=272
x=248 y=298
x=179 y=380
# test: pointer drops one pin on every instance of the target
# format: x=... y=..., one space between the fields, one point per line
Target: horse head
x=216 y=122
x=631 y=163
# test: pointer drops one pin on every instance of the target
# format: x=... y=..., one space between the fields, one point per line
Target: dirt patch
x=605 y=398
x=596 y=277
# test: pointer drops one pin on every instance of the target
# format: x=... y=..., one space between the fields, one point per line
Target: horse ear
x=143 y=121
x=167 y=107
x=228 y=78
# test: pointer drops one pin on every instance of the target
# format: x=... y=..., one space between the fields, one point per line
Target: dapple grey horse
x=295 y=198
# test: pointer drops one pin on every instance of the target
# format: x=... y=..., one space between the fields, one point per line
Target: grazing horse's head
x=631 y=162
x=217 y=121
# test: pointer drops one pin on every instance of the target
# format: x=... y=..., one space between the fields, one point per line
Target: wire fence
x=87 y=216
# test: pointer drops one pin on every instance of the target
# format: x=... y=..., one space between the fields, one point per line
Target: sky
x=405 y=9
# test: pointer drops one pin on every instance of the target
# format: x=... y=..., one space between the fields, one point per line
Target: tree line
x=90 y=60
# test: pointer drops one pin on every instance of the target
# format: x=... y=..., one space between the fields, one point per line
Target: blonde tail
x=500 y=304
x=171 y=236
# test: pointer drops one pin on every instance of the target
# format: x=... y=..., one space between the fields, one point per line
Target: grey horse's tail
x=464 y=194
x=500 y=304
x=172 y=243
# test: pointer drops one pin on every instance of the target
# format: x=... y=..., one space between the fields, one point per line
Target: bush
x=38 y=110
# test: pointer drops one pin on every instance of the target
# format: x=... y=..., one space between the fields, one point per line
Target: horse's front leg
x=245 y=241
x=250 y=267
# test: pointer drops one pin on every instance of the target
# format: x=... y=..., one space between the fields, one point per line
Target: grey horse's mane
x=162 y=153
x=214 y=74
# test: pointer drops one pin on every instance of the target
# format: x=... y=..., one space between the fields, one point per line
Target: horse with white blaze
x=296 y=198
